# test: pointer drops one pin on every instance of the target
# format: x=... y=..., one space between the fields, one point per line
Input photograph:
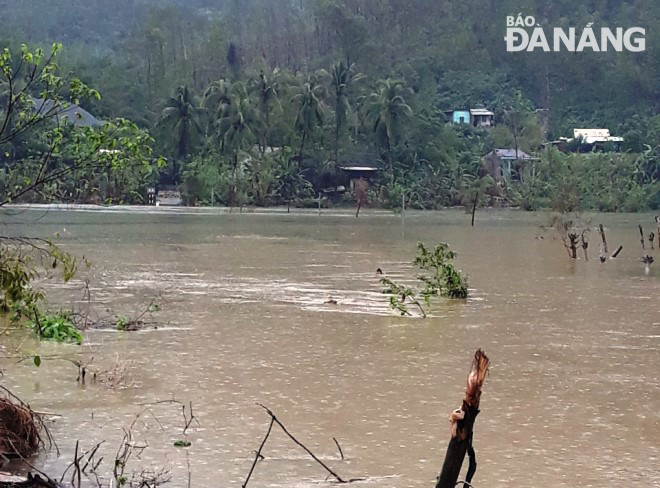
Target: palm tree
x=239 y=127
x=387 y=111
x=265 y=90
x=217 y=96
x=291 y=181
x=310 y=113
x=342 y=76
x=181 y=116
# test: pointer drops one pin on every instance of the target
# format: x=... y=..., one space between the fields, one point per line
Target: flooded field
x=573 y=397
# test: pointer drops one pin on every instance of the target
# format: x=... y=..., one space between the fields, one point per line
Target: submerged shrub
x=445 y=279
x=57 y=327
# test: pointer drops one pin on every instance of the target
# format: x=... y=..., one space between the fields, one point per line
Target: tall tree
x=386 y=111
x=181 y=116
x=265 y=89
x=239 y=127
x=342 y=76
x=310 y=113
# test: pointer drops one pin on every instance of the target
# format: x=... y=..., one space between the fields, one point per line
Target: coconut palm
x=386 y=111
x=264 y=89
x=181 y=117
x=216 y=97
x=310 y=112
x=342 y=76
x=239 y=127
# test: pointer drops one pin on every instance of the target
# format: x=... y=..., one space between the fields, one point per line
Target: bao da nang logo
x=519 y=38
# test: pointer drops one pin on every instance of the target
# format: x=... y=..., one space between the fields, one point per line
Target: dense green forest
x=260 y=101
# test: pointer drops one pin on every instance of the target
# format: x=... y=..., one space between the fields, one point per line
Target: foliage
x=22 y=261
x=56 y=327
x=444 y=279
x=53 y=157
x=401 y=296
x=49 y=153
x=330 y=82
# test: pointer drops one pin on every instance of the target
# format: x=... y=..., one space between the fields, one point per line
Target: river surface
x=572 y=399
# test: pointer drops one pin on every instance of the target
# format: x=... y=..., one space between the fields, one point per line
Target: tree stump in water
x=463 y=424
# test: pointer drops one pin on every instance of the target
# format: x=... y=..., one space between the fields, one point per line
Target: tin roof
x=591 y=136
x=73 y=114
x=358 y=168
x=480 y=111
x=510 y=154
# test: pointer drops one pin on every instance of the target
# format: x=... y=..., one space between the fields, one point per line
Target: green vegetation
x=43 y=158
x=259 y=102
x=444 y=280
x=57 y=327
x=23 y=261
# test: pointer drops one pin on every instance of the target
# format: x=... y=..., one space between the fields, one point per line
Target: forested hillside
x=438 y=55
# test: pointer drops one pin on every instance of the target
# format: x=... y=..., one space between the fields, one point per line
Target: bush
x=445 y=279
x=57 y=327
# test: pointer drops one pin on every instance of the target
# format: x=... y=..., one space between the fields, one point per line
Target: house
x=66 y=112
x=480 y=117
x=597 y=138
x=506 y=164
x=588 y=140
x=359 y=175
x=477 y=117
x=461 y=117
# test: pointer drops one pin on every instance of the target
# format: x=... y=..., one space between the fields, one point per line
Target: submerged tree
x=444 y=280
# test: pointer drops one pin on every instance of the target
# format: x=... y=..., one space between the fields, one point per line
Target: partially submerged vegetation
x=444 y=280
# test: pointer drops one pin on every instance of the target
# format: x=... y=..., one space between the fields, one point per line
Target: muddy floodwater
x=573 y=396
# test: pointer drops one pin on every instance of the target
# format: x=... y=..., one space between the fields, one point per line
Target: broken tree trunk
x=462 y=421
x=641 y=235
x=585 y=246
x=602 y=236
x=572 y=244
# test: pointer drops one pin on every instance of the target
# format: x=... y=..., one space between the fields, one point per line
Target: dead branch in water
x=462 y=420
x=616 y=253
x=275 y=421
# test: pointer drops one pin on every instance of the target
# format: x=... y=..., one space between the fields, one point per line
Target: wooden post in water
x=585 y=246
x=573 y=239
x=462 y=420
x=602 y=236
x=641 y=234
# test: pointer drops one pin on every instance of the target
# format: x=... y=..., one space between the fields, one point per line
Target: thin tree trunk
x=337 y=136
x=302 y=147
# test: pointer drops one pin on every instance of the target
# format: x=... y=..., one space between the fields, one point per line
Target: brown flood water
x=573 y=396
